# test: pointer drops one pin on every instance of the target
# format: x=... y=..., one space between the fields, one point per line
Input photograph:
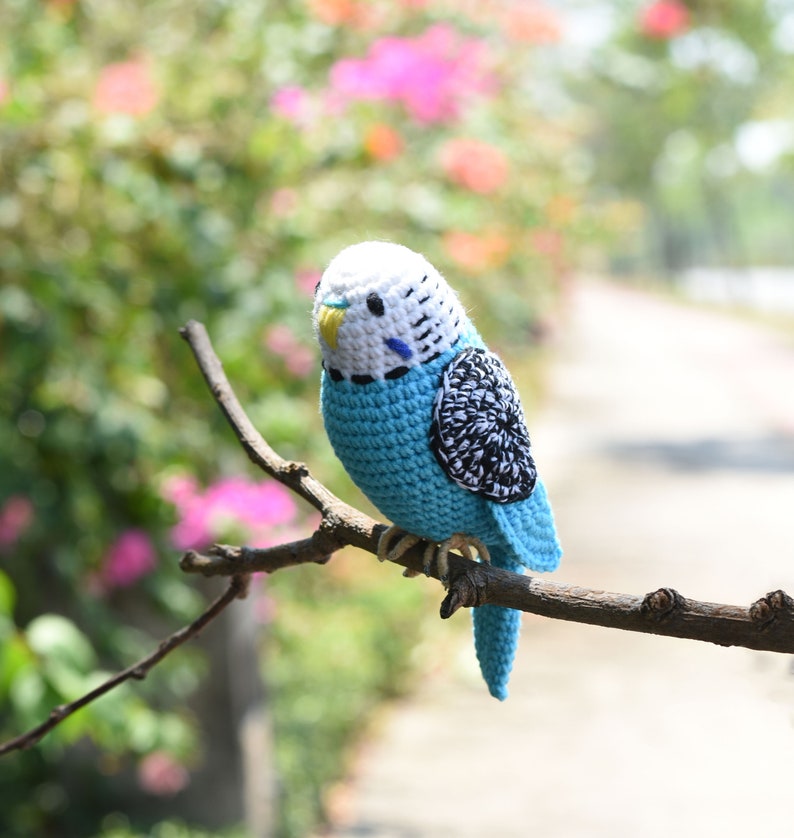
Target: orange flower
x=382 y=142
x=477 y=253
x=474 y=165
x=353 y=13
x=532 y=23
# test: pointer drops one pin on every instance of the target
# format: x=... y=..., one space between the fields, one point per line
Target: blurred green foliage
x=148 y=176
x=692 y=124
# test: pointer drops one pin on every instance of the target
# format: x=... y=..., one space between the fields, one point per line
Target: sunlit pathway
x=668 y=447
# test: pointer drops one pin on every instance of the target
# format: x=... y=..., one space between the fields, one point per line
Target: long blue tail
x=496 y=631
x=529 y=539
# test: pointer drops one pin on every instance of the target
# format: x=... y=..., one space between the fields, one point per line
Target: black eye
x=316 y=287
x=375 y=304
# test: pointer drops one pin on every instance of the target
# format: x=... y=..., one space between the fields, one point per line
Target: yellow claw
x=329 y=320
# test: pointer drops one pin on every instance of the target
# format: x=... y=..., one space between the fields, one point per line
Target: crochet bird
x=428 y=424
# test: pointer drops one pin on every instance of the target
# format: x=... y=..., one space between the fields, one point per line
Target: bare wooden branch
x=237 y=588
x=767 y=624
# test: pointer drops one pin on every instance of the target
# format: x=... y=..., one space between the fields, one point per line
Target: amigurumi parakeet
x=428 y=424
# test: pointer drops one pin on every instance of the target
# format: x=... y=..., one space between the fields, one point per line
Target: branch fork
x=767 y=624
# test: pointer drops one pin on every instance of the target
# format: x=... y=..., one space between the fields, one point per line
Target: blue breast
x=380 y=431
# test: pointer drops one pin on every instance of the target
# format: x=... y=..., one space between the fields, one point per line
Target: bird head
x=381 y=309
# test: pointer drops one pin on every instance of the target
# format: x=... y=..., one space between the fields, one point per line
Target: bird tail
x=529 y=539
x=496 y=631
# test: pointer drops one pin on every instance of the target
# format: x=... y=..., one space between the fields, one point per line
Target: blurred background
x=167 y=160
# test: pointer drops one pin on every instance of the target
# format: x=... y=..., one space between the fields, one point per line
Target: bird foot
x=438 y=551
x=457 y=541
x=404 y=541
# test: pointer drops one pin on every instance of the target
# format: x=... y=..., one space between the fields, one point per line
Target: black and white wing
x=478 y=433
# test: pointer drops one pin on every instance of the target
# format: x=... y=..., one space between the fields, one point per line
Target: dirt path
x=668 y=448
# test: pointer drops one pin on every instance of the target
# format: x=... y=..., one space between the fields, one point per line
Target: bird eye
x=375 y=304
x=316 y=287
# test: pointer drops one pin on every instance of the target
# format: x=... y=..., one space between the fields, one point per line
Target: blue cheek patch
x=400 y=347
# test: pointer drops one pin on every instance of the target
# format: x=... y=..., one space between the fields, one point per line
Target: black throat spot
x=336 y=375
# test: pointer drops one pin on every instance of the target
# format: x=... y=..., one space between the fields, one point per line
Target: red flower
x=664 y=19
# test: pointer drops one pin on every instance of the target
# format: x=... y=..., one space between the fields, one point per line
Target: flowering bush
x=163 y=161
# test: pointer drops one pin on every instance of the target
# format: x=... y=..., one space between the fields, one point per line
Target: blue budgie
x=428 y=424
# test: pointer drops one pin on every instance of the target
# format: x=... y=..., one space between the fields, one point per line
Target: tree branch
x=767 y=624
x=237 y=588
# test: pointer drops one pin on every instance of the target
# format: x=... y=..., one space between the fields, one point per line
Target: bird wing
x=478 y=433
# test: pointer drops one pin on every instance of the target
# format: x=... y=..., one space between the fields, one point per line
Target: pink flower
x=545 y=241
x=431 y=75
x=16 y=515
x=474 y=165
x=5 y=91
x=306 y=279
x=664 y=19
x=159 y=773
x=298 y=358
x=283 y=202
x=130 y=557
x=125 y=87
x=292 y=103
x=180 y=490
x=232 y=503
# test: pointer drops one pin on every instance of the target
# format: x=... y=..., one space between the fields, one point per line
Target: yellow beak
x=329 y=320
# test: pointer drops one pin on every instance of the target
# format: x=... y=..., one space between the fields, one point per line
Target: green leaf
x=14 y=657
x=8 y=595
x=54 y=636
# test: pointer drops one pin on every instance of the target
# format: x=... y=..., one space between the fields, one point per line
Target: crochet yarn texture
x=428 y=423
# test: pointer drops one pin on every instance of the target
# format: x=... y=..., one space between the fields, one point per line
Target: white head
x=381 y=308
